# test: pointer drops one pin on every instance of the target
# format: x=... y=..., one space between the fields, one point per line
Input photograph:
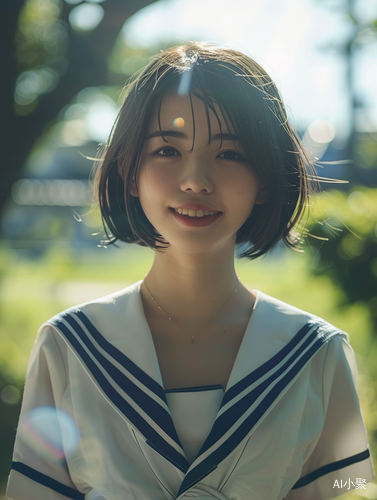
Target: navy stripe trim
x=244 y=429
x=340 y=464
x=47 y=481
x=148 y=404
x=151 y=407
x=235 y=412
x=122 y=359
x=197 y=388
x=250 y=379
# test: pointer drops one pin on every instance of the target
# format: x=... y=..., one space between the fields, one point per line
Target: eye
x=166 y=151
x=232 y=156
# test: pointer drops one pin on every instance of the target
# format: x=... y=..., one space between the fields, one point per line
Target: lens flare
x=184 y=82
x=179 y=122
x=52 y=433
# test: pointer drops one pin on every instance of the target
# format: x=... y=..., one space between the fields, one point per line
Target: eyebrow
x=183 y=135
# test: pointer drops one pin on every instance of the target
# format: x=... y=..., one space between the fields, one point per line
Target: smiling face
x=172 y=174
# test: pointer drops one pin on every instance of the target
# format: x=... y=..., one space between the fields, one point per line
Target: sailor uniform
x=287 y=426
x=193 y=410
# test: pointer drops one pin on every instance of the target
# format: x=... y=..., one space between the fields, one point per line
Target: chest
x=207 y=361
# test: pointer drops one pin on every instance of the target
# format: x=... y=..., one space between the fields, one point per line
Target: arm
x=341 y=452
x=39 y=470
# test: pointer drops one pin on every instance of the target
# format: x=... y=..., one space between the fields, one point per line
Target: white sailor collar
x=112 y=340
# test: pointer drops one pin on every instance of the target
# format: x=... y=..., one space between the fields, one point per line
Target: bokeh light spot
x=179 y=122
x=351 y=247
x=30 y=84
x=321 y=131
x=358 y=202
x=51 y=432
x=86 y=17
x=10 y=395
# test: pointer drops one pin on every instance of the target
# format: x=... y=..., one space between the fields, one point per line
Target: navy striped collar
x=132 y=383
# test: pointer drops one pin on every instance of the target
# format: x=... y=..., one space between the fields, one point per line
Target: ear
x=263 y=195
x=134 y=191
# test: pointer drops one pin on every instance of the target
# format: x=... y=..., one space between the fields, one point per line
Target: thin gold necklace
x=170 y=319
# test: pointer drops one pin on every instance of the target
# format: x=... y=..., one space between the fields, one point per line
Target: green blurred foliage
x=40 y=49
x=10 y=406
x=366 y=150
x=41 y=34
x=127 y=60
x=344 y=243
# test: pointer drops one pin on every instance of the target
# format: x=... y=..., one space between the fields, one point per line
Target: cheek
x=156 y=186
x=156 y=179
x=244 y=184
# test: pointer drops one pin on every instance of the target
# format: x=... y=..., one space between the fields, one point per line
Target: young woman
x=186 y=383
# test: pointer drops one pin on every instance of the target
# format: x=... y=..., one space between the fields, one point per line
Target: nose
x=196 y=176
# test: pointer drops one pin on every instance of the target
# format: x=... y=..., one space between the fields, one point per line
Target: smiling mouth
x=194 y=214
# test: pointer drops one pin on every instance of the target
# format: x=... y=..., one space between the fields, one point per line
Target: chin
x=196 y=244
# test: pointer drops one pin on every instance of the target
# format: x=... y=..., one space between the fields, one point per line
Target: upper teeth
x=194 y=213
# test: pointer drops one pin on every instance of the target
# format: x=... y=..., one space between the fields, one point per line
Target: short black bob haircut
x=250 y=102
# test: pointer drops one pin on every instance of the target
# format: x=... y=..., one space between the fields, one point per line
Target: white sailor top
x=193 y=410
x=289 y=425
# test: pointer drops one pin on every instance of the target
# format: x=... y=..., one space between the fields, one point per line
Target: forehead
x=194 y=113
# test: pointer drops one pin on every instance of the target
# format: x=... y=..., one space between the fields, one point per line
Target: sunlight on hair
x=52 y=433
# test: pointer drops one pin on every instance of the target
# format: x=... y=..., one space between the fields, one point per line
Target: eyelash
x=240 y=158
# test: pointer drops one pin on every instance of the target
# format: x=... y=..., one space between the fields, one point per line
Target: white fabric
x=93 y=495
x=290 y=408
x=193 y=411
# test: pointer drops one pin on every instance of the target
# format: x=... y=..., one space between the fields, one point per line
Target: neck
x=192 y=288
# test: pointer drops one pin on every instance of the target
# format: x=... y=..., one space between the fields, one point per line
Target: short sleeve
x=340 y=459
x=32 y=476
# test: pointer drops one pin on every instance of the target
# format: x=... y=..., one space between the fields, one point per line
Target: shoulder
x=287 y=330
x=278 y=316
x=110 y=308
x=109 y=314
